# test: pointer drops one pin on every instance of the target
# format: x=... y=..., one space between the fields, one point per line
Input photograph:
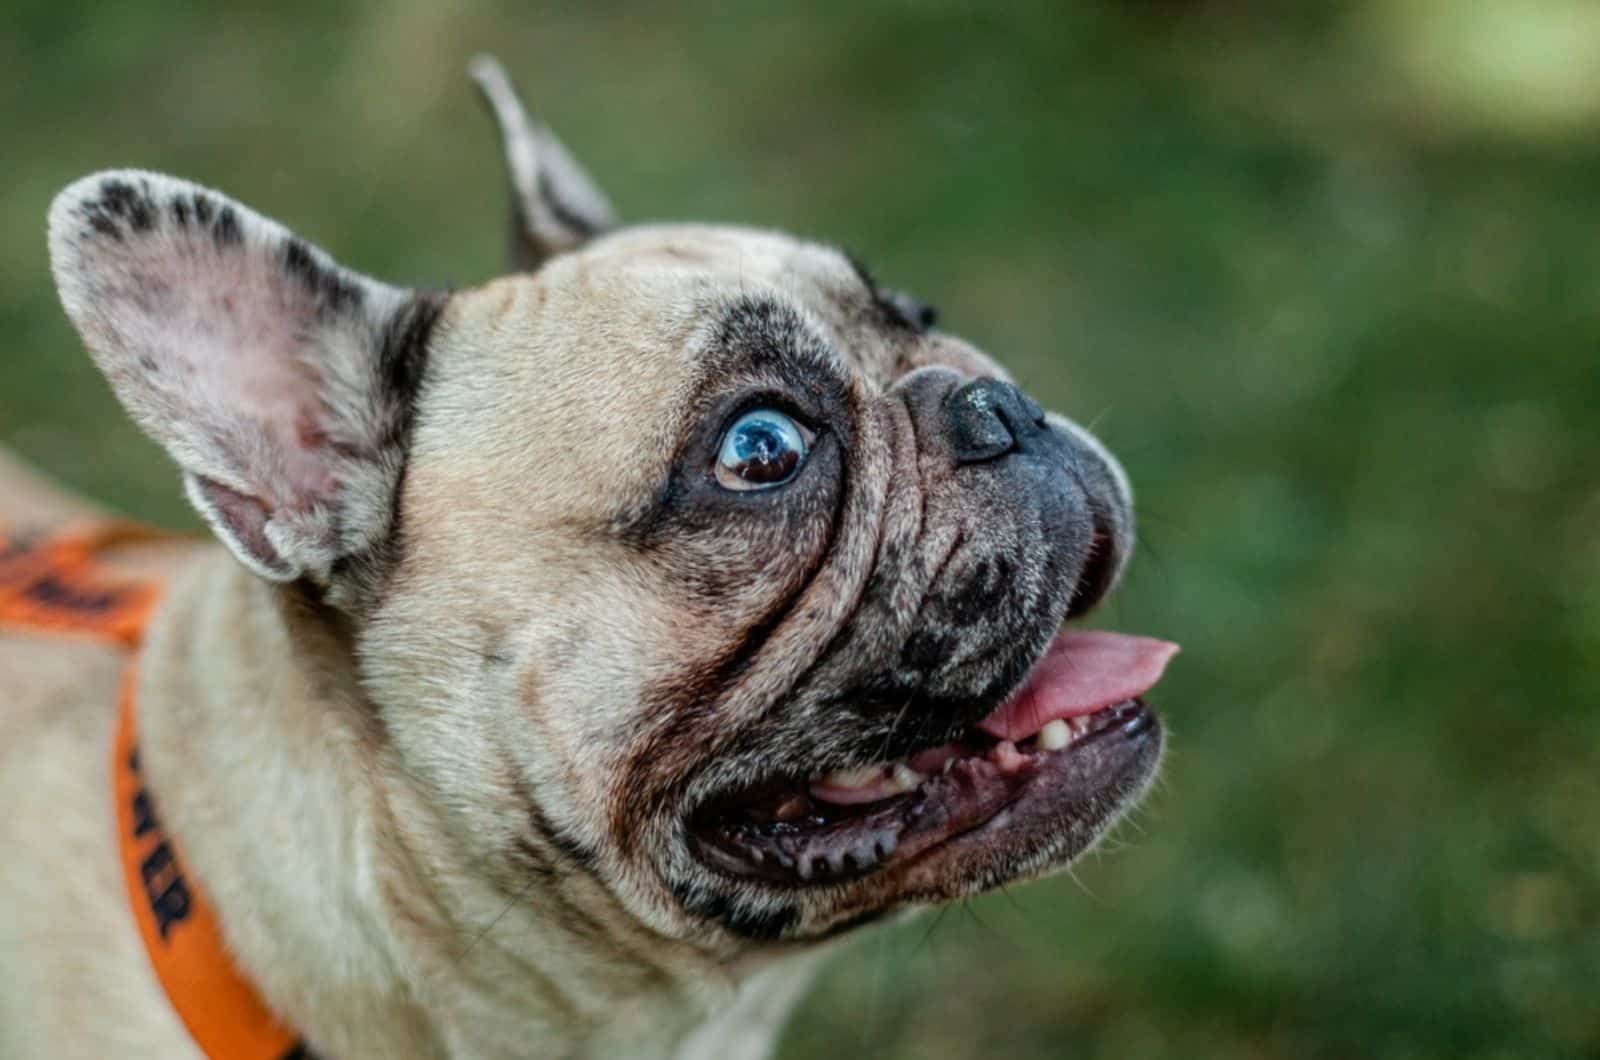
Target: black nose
x=988 y=418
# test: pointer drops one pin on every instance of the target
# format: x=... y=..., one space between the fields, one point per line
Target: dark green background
x=1327 y=283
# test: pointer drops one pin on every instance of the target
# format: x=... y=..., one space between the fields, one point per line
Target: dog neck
x=342 y=893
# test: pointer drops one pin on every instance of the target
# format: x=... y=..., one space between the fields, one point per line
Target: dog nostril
x=983 y=417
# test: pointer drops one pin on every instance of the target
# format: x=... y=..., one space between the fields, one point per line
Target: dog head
x=687 y=559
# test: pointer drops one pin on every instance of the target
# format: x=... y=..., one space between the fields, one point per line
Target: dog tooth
x=836 y=861
x=804 y=867
x=949 y=763
x=1054 y=736
x=906 y=778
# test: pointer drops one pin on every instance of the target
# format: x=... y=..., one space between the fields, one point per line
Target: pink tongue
x=1079 y=674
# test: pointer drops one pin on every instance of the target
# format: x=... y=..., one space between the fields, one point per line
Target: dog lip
x=1030 y=785
x=818 y=843
x=1091 y=796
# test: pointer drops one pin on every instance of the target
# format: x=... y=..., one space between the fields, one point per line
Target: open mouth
x=1045 y=758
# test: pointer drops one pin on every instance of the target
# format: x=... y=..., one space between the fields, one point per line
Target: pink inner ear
x=244 y=519
x=248 y=354
x=225 y=342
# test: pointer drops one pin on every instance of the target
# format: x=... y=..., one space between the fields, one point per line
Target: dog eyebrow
x=762 y=336
x=757 y=339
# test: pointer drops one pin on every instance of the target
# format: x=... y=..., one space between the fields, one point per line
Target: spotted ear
x=282 y=384
x=555 y=205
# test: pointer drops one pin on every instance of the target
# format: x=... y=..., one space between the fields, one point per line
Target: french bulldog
x=586 y=650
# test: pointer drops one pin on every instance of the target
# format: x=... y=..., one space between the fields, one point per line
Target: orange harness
x=59 y=586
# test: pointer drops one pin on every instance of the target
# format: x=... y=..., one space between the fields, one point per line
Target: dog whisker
x=520 y=896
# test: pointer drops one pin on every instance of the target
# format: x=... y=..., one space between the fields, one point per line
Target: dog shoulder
x=73 y=976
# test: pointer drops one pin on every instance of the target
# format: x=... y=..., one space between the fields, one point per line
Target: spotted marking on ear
x=121 y=199
x=125 y=207
x=226 y=232
x=332 y=292
x=402 y=371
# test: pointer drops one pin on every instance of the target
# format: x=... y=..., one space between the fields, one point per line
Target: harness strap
x=224 y=1014
x=59 y=585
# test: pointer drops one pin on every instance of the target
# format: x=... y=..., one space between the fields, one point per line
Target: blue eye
x=762 y=449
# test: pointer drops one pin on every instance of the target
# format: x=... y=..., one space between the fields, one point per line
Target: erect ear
x=555 y=206
x=282 y=384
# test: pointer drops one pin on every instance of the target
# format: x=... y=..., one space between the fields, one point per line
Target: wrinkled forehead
x=696 y=272
x=602 y=361
x=731 y=253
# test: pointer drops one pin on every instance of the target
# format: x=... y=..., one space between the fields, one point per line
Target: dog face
x=689 y=562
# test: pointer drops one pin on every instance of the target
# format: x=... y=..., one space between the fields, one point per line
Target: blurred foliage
x=1325 y=277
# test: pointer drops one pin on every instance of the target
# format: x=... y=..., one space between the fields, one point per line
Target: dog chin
x=1024 y=790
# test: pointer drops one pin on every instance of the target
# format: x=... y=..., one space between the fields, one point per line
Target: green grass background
x=1325 y=276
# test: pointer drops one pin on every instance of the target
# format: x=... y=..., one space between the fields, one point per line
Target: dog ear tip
x=96 y=185
x=485 y=66
x=489 y=75
x=69 y=200
x=109 y=204
x=72 y=229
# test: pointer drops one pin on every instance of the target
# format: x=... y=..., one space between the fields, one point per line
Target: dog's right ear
x=555 y=206
x=282 y=384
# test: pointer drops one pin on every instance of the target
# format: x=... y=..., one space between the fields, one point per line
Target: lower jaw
x=983 y=786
